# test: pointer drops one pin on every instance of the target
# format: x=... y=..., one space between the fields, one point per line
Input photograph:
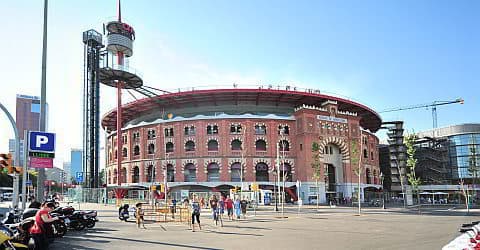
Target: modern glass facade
x=464 y=155
x=463 y=150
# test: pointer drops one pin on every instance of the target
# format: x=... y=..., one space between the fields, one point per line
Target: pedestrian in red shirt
x=229 y=206
x=38 y=229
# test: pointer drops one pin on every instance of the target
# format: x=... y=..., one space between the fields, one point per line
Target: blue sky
x=381 y=53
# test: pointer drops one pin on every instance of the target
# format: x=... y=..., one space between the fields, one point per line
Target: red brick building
x=200 y=139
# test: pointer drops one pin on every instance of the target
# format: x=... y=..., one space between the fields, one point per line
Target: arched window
x=150 y=173
x=116 y=154
x=109 y=180
x=136 y=150
x=260 y=145
x=123 y=175
x=136 y=175
x=213 y=172
x=365 y=153
x=286 y=172
x=374 y=176
x=170 y=173
x=151 y=148
x=169 y=147
x=236 y=144
x=115 y=176
x=284 y=145
x=212 y=129
x=236 y=174
x=261 y=173
x=190 y=146
x=368 y=176
x=283 y=130
x=212 y=145
x=124 y=152
x=190 y=173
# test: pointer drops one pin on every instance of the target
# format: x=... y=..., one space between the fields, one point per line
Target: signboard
x=36 y=162
x=331 y=119
x=79 y=177
x=41 y=154
x=29 y=182
x=42 y=141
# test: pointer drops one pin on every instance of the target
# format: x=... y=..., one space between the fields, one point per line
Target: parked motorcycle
x=7 y=241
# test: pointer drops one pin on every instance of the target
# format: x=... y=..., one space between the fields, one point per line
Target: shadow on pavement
x=229 y=233
x=142 y=241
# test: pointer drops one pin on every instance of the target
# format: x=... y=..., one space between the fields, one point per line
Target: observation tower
x=116 y=72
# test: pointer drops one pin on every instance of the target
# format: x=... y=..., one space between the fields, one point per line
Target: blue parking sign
x=42 y=141
x=79 y=177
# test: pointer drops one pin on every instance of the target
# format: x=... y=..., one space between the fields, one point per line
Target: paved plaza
x=327 y=228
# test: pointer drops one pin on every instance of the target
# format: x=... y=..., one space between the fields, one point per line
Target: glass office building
x=462 y=152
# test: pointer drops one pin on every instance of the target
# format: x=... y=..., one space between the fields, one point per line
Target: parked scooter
x=7 y=239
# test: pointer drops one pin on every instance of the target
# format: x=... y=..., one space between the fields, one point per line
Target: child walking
x=140 y=213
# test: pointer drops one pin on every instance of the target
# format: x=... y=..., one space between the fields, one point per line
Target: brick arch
x=212 y=160
x=187 y=161
x=336 y=141
x=260 y=138
x=280 y=139
x=266 y=161
x=232 y=161
x=290 y=162
x=236 y=138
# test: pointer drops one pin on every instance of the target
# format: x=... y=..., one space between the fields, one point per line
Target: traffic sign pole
x=25 y=168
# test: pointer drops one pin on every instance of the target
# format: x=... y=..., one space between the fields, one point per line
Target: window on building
x=150 y=173
x=124 y=152
x=260 y=145
x=261 y=172
x=284 y=145
x=213 y=172
x=151 y=134
x=116 y=154
x=136 y=136
x=236 y=144
x=283 y=129
x=301 y=147
x=169 y=132
x=136 y=150
x=151 y=148
x=235 y=128
x=190 y=173
x=212 y=129
x=190 y=146
x=260 y=129
x=169 y=147
x=190 y=130
x=236 y=172
x=170 y=173
x=212 y=145
x=136 y=175
x=365 y=154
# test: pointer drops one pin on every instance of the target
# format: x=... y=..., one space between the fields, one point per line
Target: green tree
x=316 y=165
x=356 y=163
x=412 y=164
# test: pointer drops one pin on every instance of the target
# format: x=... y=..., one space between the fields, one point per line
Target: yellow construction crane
x=428 y=105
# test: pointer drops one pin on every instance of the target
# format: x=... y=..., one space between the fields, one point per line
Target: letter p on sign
x=42 y=141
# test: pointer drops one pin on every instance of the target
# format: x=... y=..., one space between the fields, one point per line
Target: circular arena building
x=206 y=140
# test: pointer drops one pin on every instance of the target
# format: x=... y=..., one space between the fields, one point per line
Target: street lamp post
x=383 y=190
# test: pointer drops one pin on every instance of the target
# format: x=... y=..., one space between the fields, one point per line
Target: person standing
x=140 y=214
x=237 y=207
x=214 y=206
x=229 y=206
x=243 y=206
x=195 y=214
x=38 y=230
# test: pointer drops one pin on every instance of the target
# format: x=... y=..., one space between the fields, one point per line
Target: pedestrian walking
x=236 y=205
x=214 y=205
x=243 y=206
x=140 y=214
x=229 y=206
x=195 y=214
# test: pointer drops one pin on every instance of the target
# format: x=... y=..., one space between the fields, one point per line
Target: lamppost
x=383 y=189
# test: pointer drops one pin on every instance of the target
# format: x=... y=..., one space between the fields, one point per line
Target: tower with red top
x=116 y=72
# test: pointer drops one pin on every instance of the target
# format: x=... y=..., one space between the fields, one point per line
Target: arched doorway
x=136 y=175
x=333 y=172
x=190 y=173
x=261 y=172
x=213 y=172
